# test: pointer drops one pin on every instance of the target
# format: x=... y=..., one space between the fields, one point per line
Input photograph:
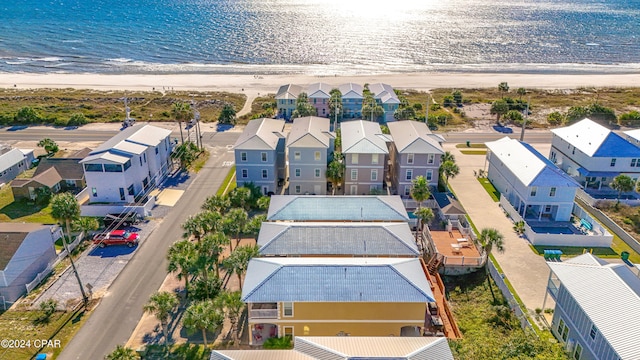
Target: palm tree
x=181 y=112
x=303 y=107
x=65 y=209
x=235 y=223
x=122 y=353
x=200 y=224
x=449 y=170
x=253 y=227
x=264 y=202
x=161 y=305
x=209 y=252
x=233 y=307
x=335 y=174
x=182 y=257
x=503 y=87
x=425 y=215
x=521 y=91
x=371 y=108
x=240 y=197
x=238 y=260
x=49 y=146
x=217 y=203
x=335 y=106
x=448 y=156
x=204 y=316
x=519 y=227
x=420 y=190
x=622 y=183
x=85 y=224
x=488 y=239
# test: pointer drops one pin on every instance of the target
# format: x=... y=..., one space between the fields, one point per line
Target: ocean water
x=319 y=37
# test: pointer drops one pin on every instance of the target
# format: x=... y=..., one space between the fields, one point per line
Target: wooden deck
x=443 y=241
x=449 y=328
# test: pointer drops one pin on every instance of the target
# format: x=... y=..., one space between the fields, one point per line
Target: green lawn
x=474 y=152
x=228 y=184
x=22 y=210
x=486 y=184
x=576 y=250
x=474 y=146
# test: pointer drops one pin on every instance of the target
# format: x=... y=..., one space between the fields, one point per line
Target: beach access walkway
x=527 y=271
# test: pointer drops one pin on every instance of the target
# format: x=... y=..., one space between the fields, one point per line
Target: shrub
x=555 y=118
x=27 y=115
x=278 y=343
x=448 y=101
x=632 y=118
x=77 y=119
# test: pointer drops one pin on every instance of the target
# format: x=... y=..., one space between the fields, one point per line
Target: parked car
x=123 y=220
x=116 y=237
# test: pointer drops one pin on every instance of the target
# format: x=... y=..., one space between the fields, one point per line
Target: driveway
x=527 y=272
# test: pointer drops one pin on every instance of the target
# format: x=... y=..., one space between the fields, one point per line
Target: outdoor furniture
x=455 y=248
x=433 y=308
x=437 y=322
x=552 y=254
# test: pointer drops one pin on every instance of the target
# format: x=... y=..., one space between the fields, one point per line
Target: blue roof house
x=533 y=185
x=593 y=154
x=312 y=296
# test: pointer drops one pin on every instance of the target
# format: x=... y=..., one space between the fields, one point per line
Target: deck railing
x=263 y=313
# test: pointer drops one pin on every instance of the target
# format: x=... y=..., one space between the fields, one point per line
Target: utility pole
x=524 y=122
x=426 y=116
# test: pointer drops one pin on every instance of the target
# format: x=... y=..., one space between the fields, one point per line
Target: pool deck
x=443 y=241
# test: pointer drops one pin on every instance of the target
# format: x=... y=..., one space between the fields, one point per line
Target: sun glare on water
x=374 y=8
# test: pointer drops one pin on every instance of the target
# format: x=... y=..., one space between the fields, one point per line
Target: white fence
x=584 y=196
x=599 y=237
x=511 y=299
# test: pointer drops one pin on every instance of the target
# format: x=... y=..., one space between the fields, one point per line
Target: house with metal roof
x=532 y=184
x=286 y=99
x=25 y=250
x=309 y=145
x=415 y=151
x=128 y=165
x=597 y=308
x=328 y=296
x=351 y=100
x=319 y=94
x=365 y=151
x=56 y=174
x=13 y=162
x=381 y=208
x=349 y=348
x=386 y=97
x=353 y=239
x=593 y=154
x=260 y=154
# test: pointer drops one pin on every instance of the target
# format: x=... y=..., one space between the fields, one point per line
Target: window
x=577 y=353
x=265 y=173
x=245 y=173
x=429 y=175
x=374 y=175
x=407 y=190
x=288 y=331
x=297 y=172
x=317 y=173
x=409 y=158
x=354 y=174
x=547 y=209
x=122 y=194
x=156 y=151
x=263 y=156
x=130 y=190
x=112 y=168
x=287 y=309
x=613 y=162
x=409 y=174
x=354 y=158
x=297 y=189
x=296 y=155
x=243 y=156
x=593 y=332
x=430 y=159
x=374 y=158
x=93 y=167
x=563 y=330
x=633 y=162
x=552 y=192
x=317 y=155
x=94 y=192
x=145 y=183
x=127 y=165
x=140 y=160
x=534 y=191
x=144 y=155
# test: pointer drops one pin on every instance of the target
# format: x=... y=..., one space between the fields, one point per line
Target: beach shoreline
x=254 y=85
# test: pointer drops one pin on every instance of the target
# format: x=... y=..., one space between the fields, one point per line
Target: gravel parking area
x=98 y=267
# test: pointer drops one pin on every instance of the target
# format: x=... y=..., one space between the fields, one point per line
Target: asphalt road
x=116 y=317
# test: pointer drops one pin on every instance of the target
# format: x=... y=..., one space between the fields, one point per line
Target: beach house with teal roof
x=532 y=184
x=337 y=208
x=352 y=239
x=593 y=155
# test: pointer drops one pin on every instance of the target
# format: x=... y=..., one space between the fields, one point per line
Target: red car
x=116 y=237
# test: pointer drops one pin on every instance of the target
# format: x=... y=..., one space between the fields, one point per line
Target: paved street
x=527 y=272
x=121 y=308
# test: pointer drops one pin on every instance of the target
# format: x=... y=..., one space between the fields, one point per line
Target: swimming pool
x=552 y=230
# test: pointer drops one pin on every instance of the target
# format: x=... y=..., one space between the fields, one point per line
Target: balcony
x=263 y=311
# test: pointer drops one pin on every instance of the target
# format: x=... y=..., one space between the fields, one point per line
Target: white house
x=128 y=165
x=593 y=154
x=535 y=187
x=597 y=308
x=13 y=162
x=260 y=154
x=25 y=250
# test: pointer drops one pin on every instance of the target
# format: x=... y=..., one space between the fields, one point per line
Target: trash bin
x=468 y=143
x=624 y=255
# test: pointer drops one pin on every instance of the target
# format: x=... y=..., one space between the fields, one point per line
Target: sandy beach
x=260 y=84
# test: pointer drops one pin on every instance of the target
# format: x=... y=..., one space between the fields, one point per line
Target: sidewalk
x=527 y=272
